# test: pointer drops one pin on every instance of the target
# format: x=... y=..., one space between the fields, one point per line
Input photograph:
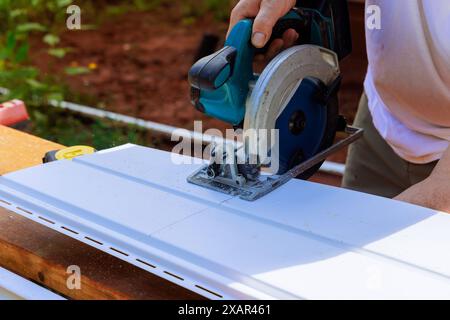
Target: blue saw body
x=227 y=102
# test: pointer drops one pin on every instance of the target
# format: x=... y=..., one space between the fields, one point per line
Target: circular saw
x=289 y=113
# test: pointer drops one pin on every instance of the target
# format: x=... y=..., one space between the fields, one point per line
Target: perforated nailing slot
x=23 y=210
x=5 y=202
x=173 y=275
x=93 y=240
x=69 y=230
x=146 y=263
x=209 y=291
x=120 y=252
x=46 y=220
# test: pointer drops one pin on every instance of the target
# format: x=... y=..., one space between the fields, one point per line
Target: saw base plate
x=250 y=192
x=254 y=190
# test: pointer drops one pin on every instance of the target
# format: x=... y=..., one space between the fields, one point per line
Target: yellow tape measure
x=68 y=153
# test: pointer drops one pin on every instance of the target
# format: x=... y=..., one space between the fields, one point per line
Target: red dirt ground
x=142 y=62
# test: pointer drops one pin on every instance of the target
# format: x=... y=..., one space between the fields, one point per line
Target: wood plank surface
x=43 y=255
x=19 y=150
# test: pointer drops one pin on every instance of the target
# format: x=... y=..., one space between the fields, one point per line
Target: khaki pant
x=373 y=167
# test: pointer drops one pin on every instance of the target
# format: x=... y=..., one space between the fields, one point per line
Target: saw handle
x=211 y=72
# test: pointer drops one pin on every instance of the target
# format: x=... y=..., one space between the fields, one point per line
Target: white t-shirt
x=408 y=82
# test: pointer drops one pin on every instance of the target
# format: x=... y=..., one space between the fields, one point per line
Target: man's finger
x=289 y=38
x=243 y=10
x=275 y=47
x=266 y=19
x=263 y=25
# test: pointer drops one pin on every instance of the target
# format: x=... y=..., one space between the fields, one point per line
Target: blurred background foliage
x=18 y=19
x=45 y=19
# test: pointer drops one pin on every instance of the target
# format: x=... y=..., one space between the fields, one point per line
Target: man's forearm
x=443 y=166
x=433 y=192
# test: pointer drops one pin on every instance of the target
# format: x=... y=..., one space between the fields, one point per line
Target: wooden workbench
x=43 y=255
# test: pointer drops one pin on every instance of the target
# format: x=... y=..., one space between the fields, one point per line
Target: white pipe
x=149 y=125
x=328 y=167
x=334 y=168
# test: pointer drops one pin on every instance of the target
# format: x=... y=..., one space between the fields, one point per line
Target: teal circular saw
x=295 y=96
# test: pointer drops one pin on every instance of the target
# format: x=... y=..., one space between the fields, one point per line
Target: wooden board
x=43 y=255
x=19 y=150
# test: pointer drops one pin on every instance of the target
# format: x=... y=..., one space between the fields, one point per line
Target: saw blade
x=282 y=99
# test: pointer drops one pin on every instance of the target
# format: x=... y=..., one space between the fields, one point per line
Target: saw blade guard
x=285 y=108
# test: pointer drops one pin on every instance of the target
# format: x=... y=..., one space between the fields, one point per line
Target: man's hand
x=434 y=192
x=266 y=14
